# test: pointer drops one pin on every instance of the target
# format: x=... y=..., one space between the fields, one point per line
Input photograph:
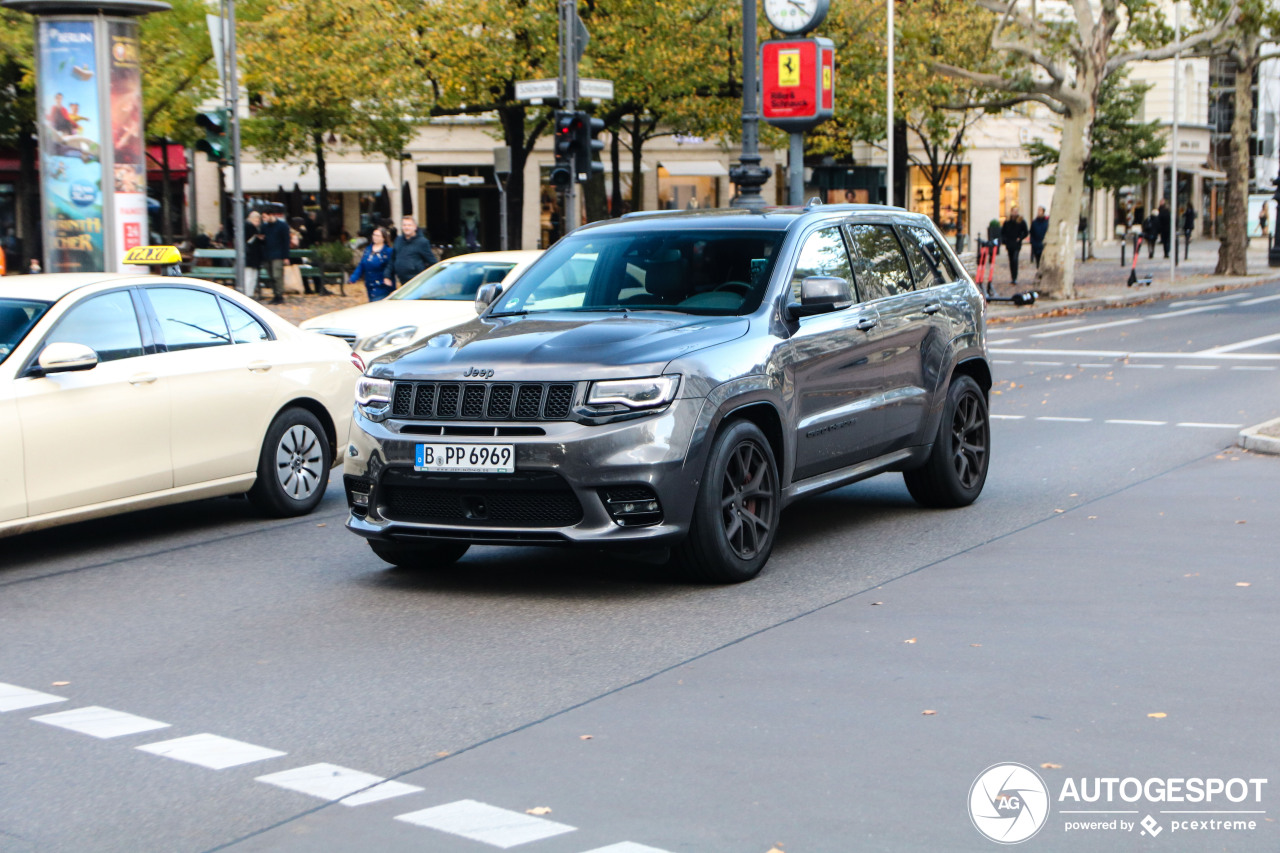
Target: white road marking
x=15 y=698
x=1207 y=301
x=212 y=751
x=1096 y=353
x=1044 y=363
x=1252 y=342
x=101 y=722
x=1007 y=417
x=1195 y=367
x=1065 y=420
x=1135 y=423
x=1103 y=353
x=1210 y=426
x=1252 y=367
x=485 y=823
x=1002 y=361
x=627 y=847
x=1094 y=327
x=1185 y=311
x=1009 y=340
x=1147 y=366
x=1103 y=366
x=1261 y=299
x=332 y=782
x=1057 y=324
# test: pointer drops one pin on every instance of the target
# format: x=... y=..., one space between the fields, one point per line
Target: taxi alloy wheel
x=293 y=468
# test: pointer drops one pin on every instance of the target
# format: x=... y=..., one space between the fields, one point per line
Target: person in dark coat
x=275 y=249
x=993 y=236
x=252 y=252
x=1150 y=228
x=1164 y=225
x=1039 y=230
x=375 y=266
x=412 y=253
x=1188 y=226
x=1012 y=233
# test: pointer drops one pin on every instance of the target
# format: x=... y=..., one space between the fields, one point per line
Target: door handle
x=259 y=366
x=933 y=308
x=142 y=378
x=867 y=323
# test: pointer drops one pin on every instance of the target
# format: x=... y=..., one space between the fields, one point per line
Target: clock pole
x=749 y=175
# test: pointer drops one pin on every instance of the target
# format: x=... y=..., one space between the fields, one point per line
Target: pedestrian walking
x=1262 y=221
x=375 y=266
x=1039 y=230
x=1164 y=224
x=412 y=253
x=252 y=252
x=1188 y=226
x=1012 y=233
x=1150 y=228
x=275 y=249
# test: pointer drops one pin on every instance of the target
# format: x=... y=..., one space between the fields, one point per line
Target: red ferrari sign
x=798 y=82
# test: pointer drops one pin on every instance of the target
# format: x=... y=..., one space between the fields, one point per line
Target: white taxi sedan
x=441 y=296
x=119 y=392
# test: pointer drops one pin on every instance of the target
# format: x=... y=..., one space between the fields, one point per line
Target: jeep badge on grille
x=481 y=372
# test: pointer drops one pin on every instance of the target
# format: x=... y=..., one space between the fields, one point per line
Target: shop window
x=1015 y=190
x=687 y=192
x=953 y=212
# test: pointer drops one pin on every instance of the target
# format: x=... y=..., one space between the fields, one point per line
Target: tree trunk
x=637 y=176
x=1232 y=250
x=318 y=139
x=615 y=178
x=1056 y=276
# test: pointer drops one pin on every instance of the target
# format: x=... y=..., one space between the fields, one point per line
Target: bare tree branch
x=1170 y=50
x=1005 y=103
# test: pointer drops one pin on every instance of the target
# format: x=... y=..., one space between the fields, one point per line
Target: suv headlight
x=373 y=397
x=394 y=338
x=647 y=393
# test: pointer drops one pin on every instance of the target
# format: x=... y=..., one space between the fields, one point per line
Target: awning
x=341 y=177
x=695 y=168
x=174 y=154
x=1198 y=170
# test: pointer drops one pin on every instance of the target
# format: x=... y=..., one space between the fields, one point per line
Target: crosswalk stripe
x=212 y=751
x=15 y=698
x=101 y=722
x=333 y=782
x=485 y=823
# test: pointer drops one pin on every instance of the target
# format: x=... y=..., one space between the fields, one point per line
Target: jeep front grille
x=477 y=401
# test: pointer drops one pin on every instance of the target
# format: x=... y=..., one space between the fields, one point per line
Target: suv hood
x=559 y=346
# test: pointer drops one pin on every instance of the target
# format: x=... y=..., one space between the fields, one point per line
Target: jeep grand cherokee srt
x=673 y=381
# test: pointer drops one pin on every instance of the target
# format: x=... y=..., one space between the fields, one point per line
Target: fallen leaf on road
x=61 y=683
x=1241 y=521
x=929 y=713
x=912 y=640
x=876 y=603
x=1059 y=510
x=584 y=737
x=1073 y=495
x=1192 y=575
x=1158 y=715
x=538 y=810
x=444 y=754
x=1049 y=765
x=976 y=645
x=321 y=524
x=1092 y=517
x=1244 y=583
x=1068 y=376
x=774 y=850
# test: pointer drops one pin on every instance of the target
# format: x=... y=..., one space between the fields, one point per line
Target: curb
x=1252 y=438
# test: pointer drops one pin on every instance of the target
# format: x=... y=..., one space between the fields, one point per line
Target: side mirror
x=486 y=295
x=66 y=357
x=820 y=294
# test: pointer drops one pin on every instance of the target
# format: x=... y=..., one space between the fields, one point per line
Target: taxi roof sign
x=148 y=256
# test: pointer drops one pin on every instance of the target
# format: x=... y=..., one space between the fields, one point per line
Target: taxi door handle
x=142 y=378
x=259 y=366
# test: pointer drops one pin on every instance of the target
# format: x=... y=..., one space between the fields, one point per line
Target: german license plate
x=465 y=458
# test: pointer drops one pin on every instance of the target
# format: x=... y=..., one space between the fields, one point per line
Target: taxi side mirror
x=61 y=357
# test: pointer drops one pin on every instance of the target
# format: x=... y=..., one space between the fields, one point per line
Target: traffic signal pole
x=569 y=94
x=233 y=113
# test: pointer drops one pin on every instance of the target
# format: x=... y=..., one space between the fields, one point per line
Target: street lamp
x=749 y=175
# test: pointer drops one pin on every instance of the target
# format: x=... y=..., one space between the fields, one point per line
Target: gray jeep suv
x=672 y=381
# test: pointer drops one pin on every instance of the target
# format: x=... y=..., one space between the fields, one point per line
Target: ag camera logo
x=1008 y=803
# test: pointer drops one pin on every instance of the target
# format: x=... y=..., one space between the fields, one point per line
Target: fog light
x=359 y=495
x=360 y=499
x=632 y=506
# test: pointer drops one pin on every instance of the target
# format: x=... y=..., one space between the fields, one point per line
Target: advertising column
x=129 y=222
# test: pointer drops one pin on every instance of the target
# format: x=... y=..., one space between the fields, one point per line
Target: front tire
x=293 y=468
x=956 y=469
x=735 y=515
x=425 y=556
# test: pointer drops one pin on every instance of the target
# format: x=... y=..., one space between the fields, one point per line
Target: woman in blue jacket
x=375 y=266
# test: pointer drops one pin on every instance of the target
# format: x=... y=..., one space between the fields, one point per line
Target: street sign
x=537 y=90
x=798 y=82
x=580 y=38
x=600 y=90
x=463 y=180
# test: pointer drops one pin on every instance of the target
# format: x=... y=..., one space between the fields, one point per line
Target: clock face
x=795 y=16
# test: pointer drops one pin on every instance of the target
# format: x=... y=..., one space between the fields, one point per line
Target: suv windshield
x=693 y=272
x=17 y=316
x=455 y=280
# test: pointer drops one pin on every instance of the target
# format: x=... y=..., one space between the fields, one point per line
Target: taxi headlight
x=373 y=397
x=393 y=338
x=646 y=393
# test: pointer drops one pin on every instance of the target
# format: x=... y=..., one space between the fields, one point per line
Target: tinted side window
x=189 y=319
x=823 y=254
x=245 y=328
x=881 y=266
x=107 y=323
x=928 y=259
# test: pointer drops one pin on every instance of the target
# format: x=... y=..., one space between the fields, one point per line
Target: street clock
x=795 y=16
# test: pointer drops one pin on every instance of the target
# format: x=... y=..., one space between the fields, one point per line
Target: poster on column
x=130 y=197
x=71 y=128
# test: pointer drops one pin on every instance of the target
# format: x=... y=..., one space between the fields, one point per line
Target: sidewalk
x=1101 y=282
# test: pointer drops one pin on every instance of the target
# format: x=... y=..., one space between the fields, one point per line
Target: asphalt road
x=1094 y=583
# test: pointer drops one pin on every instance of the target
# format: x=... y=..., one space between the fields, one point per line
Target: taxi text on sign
x=798 y=82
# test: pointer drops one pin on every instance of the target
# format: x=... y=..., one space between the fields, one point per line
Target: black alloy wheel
x=747 y=497
x=956 y=470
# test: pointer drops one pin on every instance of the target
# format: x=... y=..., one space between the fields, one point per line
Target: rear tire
x=735 y=515
x=293 y=467
x=956 y=469
x=426 y=556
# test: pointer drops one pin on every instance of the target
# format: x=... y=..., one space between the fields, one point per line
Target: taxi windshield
x=17 y=317
x=716 y=272
x=457 y=280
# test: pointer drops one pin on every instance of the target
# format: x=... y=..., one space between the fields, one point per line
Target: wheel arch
x=977 y=369
x=318 y=409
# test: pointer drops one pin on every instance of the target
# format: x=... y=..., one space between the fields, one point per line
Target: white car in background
x=120 y=392
x=440 y=296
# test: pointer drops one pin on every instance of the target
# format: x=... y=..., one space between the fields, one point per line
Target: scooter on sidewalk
x=1133 y=269
x=987 y=267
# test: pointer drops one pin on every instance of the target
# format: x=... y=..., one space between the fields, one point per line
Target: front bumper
x=557 y=495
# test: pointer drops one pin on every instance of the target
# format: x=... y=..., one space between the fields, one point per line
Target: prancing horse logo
x=482 y=372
